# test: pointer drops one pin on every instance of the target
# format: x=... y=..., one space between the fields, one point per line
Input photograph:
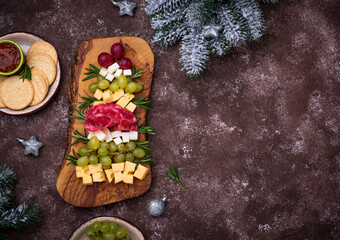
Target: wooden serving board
x=70 y=188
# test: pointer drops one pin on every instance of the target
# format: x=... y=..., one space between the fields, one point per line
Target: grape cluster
x=106 y=231
x=104 y=152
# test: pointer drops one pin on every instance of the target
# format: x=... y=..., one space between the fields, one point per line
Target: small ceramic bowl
x=21 y=59
x=133 y=232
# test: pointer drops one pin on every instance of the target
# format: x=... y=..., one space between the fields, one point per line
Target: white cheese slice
x=115 y=134
x=133 y=135
x=110 y=76
x=108 y=138
x=107 y=133
x=117 y=140
x=126 y=136
x=127 y=72
x=91 y=134
x=100 y=135
x=114 y=67
x=103 y=71
x=118 y=73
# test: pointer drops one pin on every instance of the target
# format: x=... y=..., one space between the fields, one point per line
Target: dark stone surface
x=256 y=138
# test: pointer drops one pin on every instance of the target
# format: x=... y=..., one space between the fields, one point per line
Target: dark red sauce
x=9 y=57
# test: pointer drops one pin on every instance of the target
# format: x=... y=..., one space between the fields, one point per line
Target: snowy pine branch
x=7 y=177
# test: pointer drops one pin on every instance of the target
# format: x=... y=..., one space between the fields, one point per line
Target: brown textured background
x=256 y=138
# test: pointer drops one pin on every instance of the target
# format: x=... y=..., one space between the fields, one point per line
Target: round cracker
x=43 y=47
x=39 y=87
x=42 y=74
x=15 y=93
x=2 y=78
x=44 y=63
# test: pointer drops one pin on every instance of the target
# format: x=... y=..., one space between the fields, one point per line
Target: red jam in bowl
x=9 y=57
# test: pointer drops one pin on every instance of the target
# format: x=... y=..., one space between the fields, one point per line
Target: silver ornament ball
x=156 y=206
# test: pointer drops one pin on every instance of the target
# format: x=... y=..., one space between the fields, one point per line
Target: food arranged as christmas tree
x=108 y=124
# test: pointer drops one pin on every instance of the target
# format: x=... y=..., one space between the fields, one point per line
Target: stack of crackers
x=17 y=93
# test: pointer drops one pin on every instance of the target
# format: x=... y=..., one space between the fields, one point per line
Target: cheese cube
x=106 y=95
x=109 y=174
x=103 y=71
x=129 y=96
x=126 y=137
x=129 y=167
x=128 y=178
x=114 y=67
x=87 y=180
x=98 y=94
x=118 y=167
x=122 y=102
x=82 y=171
x=98 y=177
x=118 y=94
x=95 y=103
x=118 y=177
x=118 y=73
x=94 y=168
x=115 y=134
x=127 y=72
x=108 y=98
x=108 y=138
x=133 y=135
x=91 y=134
x=110 y=77
x=131 y=107
x=100 y=135
x=141 y=172
x=117 y=140
x=107 y=132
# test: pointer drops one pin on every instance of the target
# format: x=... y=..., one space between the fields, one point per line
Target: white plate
x=25 y=40
x=132 y=232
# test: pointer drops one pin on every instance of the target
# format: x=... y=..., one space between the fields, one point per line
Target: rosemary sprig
x=26 y=73
x=146 y=129
x=92 y=72
x=147 y=159
x=87 y=102
x=137 y=73
x=73 y=158
x=145 y=145
x=173 y=175
x=142 y=102
x=79 y=115
x=79 y=137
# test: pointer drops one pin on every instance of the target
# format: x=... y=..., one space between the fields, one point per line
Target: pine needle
x=145 y=145
x=73 y=158
x=146 y=129
x=147 y=159
x=79 y=137
x=92 y=72
x=137 y=73
x=78 y=115
x=172 y=173
x=86 y=103
x=7 y=177
x=142 y=102
x=26 y=73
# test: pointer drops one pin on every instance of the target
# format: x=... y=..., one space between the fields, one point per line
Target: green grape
x=104 y=84
x=119 y=158
x=107 y=167
x=106 y=161
x=113 y=147
x=121 y=148
x=93 y=159
x=104 y=145
x=139 y=87
x=94 y=143
x=139 y=153
x=98 y=238
x=100 y=77
x=122 y=81
x=131 y=87
x=129 y=157
x=96 y=226
x=130 y=146
x=89 y=232
x=109 y=236
x=105 y=227
x=114 y=227
x=93 y=87
x=129 y=79
x=84 y=151
x=121 y=233
x=83 y=161
x=114 y=87
x=115 y=81
x=103 y=151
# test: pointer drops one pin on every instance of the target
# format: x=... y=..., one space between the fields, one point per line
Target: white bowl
x=132 y=232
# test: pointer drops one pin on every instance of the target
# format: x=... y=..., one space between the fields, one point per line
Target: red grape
x=125 y=63
x=117 y=51
x=105 y=59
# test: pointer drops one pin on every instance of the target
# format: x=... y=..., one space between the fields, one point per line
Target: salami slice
x=109 y=115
